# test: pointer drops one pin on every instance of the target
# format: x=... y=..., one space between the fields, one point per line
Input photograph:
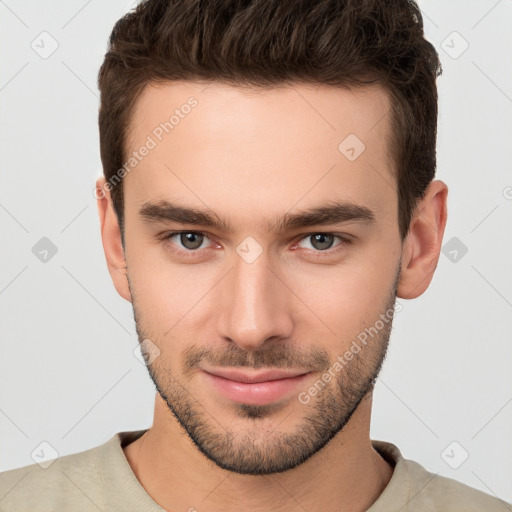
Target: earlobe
x=111 y=239
x=422 y=246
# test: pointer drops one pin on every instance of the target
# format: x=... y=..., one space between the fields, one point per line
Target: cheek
x=169 y=297
x=347 y=298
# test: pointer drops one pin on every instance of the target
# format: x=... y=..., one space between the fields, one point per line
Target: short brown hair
x=265 y=43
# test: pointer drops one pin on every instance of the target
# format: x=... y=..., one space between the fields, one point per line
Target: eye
x=190 y=241
x=322 y=242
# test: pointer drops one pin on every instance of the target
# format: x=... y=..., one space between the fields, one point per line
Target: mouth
x=255 y=388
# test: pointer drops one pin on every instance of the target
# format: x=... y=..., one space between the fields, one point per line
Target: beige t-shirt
x=100 y=479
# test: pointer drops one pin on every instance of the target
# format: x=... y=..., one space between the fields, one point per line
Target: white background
x=67 y=369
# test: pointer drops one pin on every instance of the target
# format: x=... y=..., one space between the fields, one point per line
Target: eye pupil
x=188 y=238
x=321 y=238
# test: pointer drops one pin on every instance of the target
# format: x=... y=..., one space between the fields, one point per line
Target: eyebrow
x=331 y=213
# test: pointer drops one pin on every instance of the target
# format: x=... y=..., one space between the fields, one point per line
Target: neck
x=348 y=474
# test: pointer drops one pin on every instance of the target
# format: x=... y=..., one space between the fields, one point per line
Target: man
x=268 y=193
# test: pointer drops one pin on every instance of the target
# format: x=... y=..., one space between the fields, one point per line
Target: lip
x=257 y=376
x=255 y=388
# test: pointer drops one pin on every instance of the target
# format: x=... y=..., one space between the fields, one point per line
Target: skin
x=252 y=156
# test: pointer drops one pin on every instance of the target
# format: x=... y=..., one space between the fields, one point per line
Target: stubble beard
x=258 y=450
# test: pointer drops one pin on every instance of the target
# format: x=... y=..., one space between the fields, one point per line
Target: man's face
x=258 y=292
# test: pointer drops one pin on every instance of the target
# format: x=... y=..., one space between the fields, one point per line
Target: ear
x=422 y=245
x=111 y=238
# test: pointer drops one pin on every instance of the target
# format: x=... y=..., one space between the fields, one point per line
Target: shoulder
x=432 y=489
x=412 y=487
x=70 y=481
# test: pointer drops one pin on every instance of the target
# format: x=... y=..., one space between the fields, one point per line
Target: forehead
x=247 y=150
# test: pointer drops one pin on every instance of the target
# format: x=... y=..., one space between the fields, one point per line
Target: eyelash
x=344 y=240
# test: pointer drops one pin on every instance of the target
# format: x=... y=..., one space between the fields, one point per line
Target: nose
x=255 y=305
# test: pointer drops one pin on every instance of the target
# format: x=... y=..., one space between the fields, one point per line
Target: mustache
x=276 y=356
